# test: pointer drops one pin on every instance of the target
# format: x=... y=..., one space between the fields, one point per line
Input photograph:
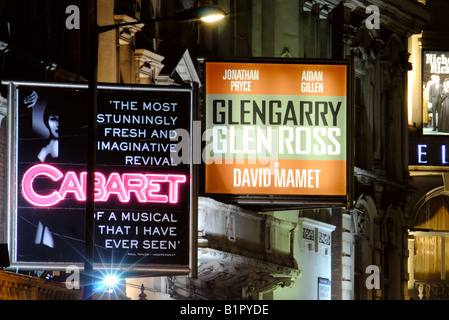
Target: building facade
x=312 y=252
x=427 y=206
x=371 y=232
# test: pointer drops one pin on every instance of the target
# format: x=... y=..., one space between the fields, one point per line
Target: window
x=431 y=248
x=429 y=257
x=434 y=214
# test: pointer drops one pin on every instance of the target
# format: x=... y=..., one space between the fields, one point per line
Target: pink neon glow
x=27 y=185
x=145 y=187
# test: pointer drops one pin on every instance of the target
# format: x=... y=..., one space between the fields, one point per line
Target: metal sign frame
x=439 y=69
x=187 y=93
x=270 y=202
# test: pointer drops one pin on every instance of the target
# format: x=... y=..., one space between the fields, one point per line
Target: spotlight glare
x=110 y=281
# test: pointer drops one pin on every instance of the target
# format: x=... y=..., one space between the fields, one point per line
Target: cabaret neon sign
x=147 y=188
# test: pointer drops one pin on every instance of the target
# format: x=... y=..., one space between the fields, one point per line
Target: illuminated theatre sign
x=143 y=199
x=276 y=129
x=435 y=88
x=429 y=148
x=425 y=152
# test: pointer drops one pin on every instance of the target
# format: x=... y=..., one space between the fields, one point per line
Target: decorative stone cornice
x=127 y=33
x=148 y=64
x=21 y=287
x=404 y=17
x=186 y=69
x=3 y=108
x=231 y=276
x=320 y=8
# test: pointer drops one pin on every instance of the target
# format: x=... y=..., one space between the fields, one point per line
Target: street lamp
x=205 y=14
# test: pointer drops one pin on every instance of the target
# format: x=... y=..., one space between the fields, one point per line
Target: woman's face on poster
x=53 y=125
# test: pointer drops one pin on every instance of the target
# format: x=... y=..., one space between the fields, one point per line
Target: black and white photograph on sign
x=142 y=197
x=435 y=76
x=45 y=123
x=49 y=135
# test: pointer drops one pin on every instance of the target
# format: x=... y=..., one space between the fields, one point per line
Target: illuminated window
x=434 y=214
x=431 y=254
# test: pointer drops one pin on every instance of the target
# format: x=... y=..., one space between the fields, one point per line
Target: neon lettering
x=146 y=188
x=154 y=187
x=71 y=184
x=422 y=153
x=27 y=185
x=135 y=183
x=114 y=185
